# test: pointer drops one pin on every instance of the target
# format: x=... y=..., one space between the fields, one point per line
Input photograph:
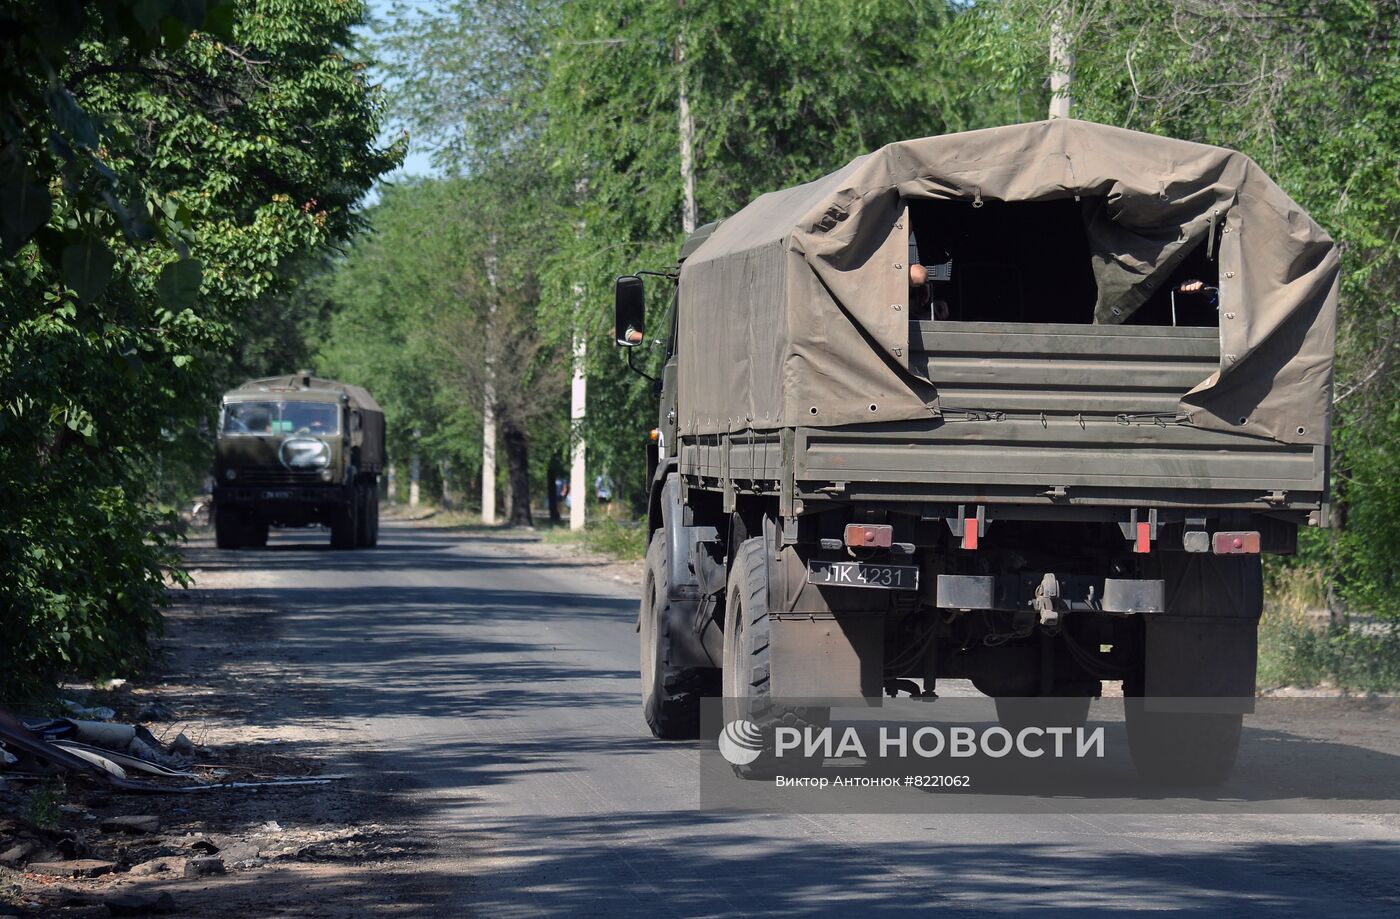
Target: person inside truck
x=1194 y=286
x=922 y=304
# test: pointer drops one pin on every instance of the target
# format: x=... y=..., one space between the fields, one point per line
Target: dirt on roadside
x=343 y=848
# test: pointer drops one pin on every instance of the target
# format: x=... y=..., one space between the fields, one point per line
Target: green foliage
x=780 y=93
x=1349 y=656
x=626 y=540
x=41 y=807
x=439 y=306
x=161 y=163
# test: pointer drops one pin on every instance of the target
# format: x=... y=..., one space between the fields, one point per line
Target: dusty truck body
x=1053 y=464
x=298 y=451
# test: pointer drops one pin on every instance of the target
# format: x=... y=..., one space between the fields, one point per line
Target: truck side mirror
x=629 y=312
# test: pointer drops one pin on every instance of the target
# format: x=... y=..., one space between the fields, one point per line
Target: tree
x=160 y=165
x=441 y=301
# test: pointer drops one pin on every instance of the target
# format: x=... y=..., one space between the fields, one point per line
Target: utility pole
x=687 y=132
x=1061 y=65
x=578 y=399
x=488 y=411
x=414 y=471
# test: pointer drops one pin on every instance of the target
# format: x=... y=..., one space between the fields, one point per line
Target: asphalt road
x=500 y=688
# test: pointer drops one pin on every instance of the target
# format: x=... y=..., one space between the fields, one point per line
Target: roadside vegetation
x=166 y=172
x=180 y=212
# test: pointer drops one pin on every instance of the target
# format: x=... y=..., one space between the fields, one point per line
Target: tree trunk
x=554 y=473
x=517 y=446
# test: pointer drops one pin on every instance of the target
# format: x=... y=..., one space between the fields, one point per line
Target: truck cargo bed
x=1057 y=414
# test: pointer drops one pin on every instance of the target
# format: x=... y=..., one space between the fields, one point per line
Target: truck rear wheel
x=670 y=695
x=364 y=526
x=372 y=499
x=747 y=662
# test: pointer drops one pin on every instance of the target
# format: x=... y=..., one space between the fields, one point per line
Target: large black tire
x=255 y=536
x=228 y=528
x=372 y=495
x=1182 y=748
x=670 y=695
x=1016 y=714
x=747 y=678
x=345 y=525
x=363 y=524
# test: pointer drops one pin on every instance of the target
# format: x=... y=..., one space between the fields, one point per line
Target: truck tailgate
x=1075 y=413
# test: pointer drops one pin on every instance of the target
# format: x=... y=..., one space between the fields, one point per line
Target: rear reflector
x=869 y=535
x=1143 y=543
x=1243 y=542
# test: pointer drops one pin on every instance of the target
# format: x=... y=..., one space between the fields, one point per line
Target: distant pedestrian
x=603 y=491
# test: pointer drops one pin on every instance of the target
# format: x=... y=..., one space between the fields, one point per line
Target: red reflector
x=969 y=540
x=878 y=536
x=1144 y=538
x=1241 y=542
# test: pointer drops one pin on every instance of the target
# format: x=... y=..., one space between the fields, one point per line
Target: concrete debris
x=139 y=824
x=148 y=869
x=156 y=711
x=204 y=866
x=17 y=853
x=141 y=904
x=182 y=745
x=95 y=713
x=103 y=734
x=77 y=868
x=203 y=844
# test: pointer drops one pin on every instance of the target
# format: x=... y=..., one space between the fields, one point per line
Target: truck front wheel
x=228 y=528
x=670 y=695
x=345 y=525
x=748 y=694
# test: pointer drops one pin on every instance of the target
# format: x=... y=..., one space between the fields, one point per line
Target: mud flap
x=1202 y=657
x=1205 y=646
x=837 y=658
x=828 y=643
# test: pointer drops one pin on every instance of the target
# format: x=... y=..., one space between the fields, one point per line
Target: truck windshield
x=264 y=419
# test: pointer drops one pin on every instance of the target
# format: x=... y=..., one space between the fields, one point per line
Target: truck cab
x=297 y=451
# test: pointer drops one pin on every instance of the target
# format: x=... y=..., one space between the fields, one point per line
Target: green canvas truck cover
x=785 y=310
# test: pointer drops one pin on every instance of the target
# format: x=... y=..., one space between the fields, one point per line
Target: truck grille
x=265 y=476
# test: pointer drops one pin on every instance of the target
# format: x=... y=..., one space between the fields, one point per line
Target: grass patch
x=41 y=808
x=1357 y=654
x=623 y=539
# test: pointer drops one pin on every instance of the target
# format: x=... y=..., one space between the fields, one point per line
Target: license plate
x=276 y=494
x=861 y=574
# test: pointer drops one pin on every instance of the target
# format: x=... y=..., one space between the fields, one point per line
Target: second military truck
x=1022 y=406
x=298 y=451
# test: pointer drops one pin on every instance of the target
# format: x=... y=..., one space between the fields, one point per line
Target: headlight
x=230 y=474
x=326 y=475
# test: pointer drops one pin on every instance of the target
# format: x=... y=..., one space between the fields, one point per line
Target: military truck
x=1047 y=457
x=298 y=451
